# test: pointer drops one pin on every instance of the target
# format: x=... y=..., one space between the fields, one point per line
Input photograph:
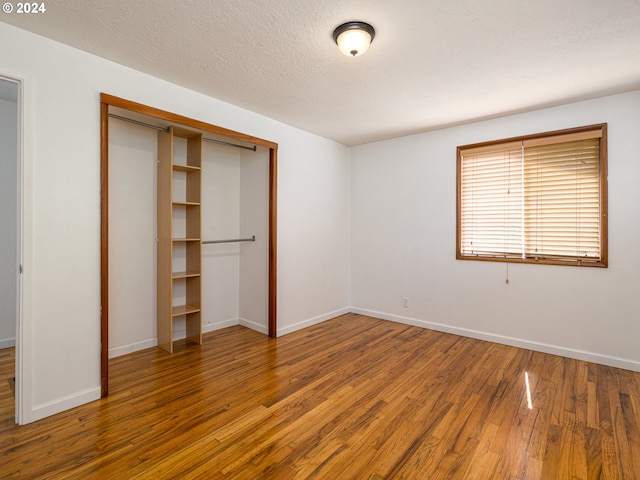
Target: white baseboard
x=133 y=347
x=7 y=342
x=312 y=321
x=178 y=335
x=601 y=359
x=608 y=360
x=254 y=326
x=64 y=403
x=212 y=327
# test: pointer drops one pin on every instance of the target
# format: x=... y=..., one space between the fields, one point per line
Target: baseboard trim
x=576 y=354
x=133 y=347
x=212 y=327
x=178 y=335
x=7 y=342
x=64 y=403
x=254 y=326
x=312 y=321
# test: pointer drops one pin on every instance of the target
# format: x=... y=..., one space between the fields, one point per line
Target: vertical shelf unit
x=179 y=286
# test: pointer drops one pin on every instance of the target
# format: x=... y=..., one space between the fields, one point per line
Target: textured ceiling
x=432 y=64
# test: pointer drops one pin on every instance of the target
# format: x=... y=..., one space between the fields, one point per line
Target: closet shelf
x=187 y=204
x=185 y=239
x=185 y=168
x=188 y=274
x=184 y=310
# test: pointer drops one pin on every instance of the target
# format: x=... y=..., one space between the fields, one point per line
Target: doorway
x=10 y=219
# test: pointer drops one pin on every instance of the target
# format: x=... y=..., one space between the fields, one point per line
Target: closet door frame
x=107 y=101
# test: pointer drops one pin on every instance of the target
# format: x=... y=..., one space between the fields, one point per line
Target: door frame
x=23 y=352
x=107 y=101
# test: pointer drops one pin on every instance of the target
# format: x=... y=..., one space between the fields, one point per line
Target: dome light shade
x=354 y=38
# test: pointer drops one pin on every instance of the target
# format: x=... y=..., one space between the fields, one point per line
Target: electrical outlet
x=405 y=302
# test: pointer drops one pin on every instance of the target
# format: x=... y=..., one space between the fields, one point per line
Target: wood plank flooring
x=351 y=398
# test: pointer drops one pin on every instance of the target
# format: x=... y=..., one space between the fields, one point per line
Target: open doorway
x=9 y=243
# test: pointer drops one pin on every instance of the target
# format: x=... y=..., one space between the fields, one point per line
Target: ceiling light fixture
x=354 y=38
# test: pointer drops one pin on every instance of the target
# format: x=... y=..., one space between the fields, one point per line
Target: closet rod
x=138 y=122
x=221 y=142
x=160 y=129
x=252 y=239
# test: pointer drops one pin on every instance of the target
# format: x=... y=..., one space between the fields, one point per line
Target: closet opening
x=188 y=228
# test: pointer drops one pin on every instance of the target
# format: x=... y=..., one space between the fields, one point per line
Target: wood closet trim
x=107 y=101
x=273 y=239
x=186 y=121
x=104 y=249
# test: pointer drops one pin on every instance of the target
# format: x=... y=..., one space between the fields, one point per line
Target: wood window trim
x=536 y=139
x=107 y=101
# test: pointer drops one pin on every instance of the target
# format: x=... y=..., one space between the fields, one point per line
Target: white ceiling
x=432 y=63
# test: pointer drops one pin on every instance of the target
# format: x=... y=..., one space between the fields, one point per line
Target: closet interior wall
x=254 y=256
x=234 y=204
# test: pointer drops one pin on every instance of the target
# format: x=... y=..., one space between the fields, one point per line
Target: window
x=535 y=199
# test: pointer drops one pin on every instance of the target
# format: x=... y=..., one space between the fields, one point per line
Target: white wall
x=403 y=207
x=254 y=256
x=133 y=153
x=62 y=236
x=313 y=232
x=8 y=220
x=220 y=220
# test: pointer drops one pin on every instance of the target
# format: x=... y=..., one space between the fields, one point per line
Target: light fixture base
x=354 y=38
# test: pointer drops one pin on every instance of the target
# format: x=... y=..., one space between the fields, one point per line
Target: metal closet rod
x=252 y=239
x=160 y=129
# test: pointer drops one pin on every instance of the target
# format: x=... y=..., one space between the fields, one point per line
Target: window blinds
x=491 y=201
x=537 y=199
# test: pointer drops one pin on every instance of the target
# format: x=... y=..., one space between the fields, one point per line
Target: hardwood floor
x=351 y=398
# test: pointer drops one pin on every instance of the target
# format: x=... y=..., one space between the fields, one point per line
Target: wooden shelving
x=179 y=236
x=185 y=310
x=185 y=168
x=177 y=275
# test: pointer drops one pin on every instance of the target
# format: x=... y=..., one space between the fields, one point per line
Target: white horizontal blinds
x=562 y=200
x=534 y=199
x=491 y=201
